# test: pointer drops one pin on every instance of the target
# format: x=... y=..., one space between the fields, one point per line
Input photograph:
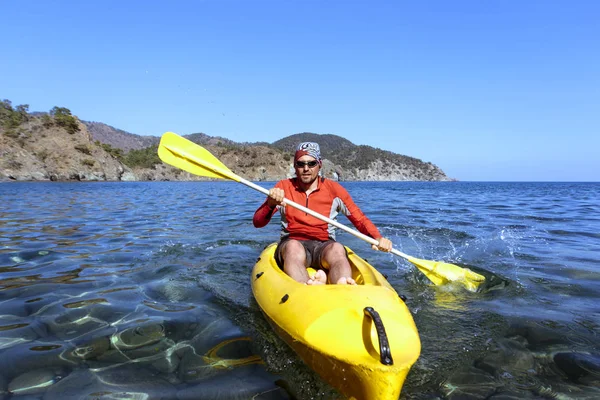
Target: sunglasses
x=302 y=164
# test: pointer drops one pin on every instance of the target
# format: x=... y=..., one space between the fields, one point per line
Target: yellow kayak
x=360 y=339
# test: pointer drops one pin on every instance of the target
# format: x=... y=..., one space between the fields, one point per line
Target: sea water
x=142 y=290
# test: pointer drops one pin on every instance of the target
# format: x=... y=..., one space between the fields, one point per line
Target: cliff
x=37 y=151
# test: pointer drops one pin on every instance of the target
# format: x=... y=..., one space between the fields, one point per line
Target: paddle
x=191 y=157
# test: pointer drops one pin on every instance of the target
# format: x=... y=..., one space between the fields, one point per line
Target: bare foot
x=346 y=281
x=320 y=278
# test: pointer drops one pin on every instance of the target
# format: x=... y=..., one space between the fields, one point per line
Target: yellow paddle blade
x=440 y=273
x=191 y=157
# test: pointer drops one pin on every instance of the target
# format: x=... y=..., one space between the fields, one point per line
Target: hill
x=118 y=138
x=58 y=146
x=54 y=146
x=365 y=162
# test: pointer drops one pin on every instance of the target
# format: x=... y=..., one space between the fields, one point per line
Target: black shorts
x=313 y=248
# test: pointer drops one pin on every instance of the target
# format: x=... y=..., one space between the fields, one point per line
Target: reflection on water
x=95 y=302
x=130 y=340
x=141 y=290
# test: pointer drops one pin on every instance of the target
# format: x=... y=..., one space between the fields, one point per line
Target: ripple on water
x=86 y=270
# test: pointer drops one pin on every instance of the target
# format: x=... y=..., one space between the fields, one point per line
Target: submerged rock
x=250 y=382
x=507 y=354
x=92 y=349
x=25 y=357
x=114 y=383
x=139 y=336
x=36 y=381
x=580 y=367
x=472 y=383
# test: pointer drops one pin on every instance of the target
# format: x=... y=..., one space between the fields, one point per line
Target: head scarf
x=308 y=149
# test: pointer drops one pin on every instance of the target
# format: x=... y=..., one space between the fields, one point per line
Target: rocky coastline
x=40 y=149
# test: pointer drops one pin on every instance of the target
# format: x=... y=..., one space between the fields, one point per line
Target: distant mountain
x=118 y=138
x=342 y=151
x=331 y=145
x=343 y=159
x=204 y=139
x=364 y=162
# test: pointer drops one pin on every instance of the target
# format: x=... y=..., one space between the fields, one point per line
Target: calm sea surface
x=142 y=290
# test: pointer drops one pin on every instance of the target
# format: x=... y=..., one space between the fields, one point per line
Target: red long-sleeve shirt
x=329 y=199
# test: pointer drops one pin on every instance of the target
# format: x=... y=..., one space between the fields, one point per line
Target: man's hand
x=275 y=198
x=384 y=245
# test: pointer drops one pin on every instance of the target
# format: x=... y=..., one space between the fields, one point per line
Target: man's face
x=304 y=171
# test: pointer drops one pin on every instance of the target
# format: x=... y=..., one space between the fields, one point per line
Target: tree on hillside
x=11 y=118
x=144 y=158
x=63 y=118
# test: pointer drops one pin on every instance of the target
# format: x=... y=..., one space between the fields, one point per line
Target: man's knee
x=333 y=253
x=335 y=249
x=293 y=249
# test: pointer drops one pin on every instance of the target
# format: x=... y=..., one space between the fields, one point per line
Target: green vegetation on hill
x=11 y=118
x=63 y=118
x=144 y=158
x=116 y=153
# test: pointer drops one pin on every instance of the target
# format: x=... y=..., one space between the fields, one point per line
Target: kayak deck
x=329 y=328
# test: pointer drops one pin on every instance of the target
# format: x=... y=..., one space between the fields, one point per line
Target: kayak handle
x=384 y=345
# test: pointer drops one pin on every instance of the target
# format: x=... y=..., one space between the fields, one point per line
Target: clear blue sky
x=487 y=90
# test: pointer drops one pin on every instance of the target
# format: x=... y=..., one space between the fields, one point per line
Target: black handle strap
x=384 y=345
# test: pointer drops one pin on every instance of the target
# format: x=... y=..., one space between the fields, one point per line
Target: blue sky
x=486 y=90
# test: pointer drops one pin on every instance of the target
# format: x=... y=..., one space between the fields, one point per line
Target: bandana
x=308 y=149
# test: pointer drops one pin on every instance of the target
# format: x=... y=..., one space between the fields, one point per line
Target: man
x=305 y=240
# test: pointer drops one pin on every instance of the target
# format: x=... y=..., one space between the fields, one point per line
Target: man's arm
x=263 y=215
x=360 y=220
x=354 y=214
